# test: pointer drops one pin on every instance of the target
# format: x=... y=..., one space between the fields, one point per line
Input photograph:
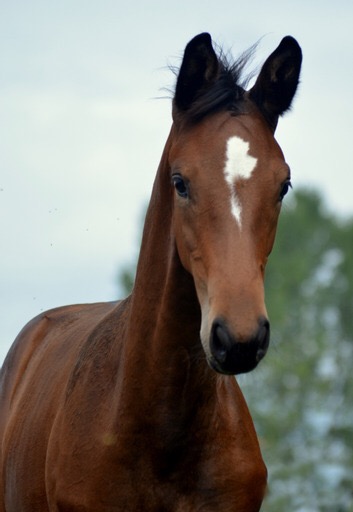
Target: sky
x=84 y=116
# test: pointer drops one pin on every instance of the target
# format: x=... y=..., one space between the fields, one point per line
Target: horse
x=133 y=405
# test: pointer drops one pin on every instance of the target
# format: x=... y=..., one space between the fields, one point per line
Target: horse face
x=229 y=177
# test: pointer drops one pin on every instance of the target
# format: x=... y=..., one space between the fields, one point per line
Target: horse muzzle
x=231 y=355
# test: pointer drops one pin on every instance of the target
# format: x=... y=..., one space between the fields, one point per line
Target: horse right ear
x=198 y=71
x=278 y=80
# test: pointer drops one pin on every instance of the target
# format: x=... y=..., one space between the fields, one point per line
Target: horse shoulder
x=34 y=380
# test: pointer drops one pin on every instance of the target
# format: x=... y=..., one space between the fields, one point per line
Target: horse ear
x=278 y=80
x=198 y=71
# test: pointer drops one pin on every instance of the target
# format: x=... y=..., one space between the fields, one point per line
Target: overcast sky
x=81 y=130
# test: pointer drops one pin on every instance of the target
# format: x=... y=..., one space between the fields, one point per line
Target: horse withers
x=131 y=406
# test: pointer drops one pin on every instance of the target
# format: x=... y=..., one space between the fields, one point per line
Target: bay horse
x=132 y=405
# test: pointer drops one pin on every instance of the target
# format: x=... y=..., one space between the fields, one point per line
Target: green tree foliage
x=301 y=396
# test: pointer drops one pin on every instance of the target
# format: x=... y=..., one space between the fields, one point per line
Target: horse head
x=229 y=177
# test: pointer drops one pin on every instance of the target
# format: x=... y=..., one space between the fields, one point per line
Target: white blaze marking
x=239 y=165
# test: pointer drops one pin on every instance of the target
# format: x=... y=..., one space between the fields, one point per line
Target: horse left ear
x=198 y=71
x=278 y=80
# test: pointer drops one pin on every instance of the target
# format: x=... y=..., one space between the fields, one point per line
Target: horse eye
x=180 y=186
x=285 y=187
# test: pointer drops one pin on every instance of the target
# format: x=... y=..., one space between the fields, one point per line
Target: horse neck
x=162 y=349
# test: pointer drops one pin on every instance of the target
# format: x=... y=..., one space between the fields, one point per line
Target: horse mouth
x=232 y=357
x=234 y=368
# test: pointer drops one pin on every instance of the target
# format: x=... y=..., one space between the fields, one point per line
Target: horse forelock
x=227 y=92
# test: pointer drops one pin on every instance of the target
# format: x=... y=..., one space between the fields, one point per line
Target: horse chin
x=235 y=368
x=217 y=367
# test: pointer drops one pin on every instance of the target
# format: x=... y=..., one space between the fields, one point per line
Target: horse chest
x=202 y=478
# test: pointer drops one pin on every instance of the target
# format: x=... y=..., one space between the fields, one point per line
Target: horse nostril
x=220 y=341
x=263 y=339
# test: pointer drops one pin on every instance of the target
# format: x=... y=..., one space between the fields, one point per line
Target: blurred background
x=83 y=121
